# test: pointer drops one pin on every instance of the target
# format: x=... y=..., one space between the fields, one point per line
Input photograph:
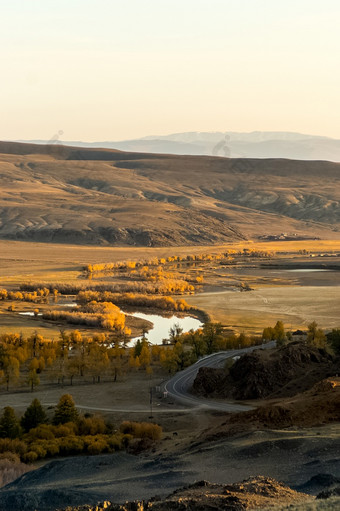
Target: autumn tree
x=115 y=356
x=197 y=343
x=175 y=333
x=75 y=337
x=145 y=356
x=72 y=368
x=79 y=358
x=182 y=356
x=35 y=341
x=98 y=361
x=65 y=410
x=9 y=424
x=33 y=416
x=212 y=332
x=170 y=360
x=316 y=335
x=137 y=349
x=11 y=370
x=9 y=367
x=33 y=379
x=279 y=333
x=242 y=340
x=268 y=334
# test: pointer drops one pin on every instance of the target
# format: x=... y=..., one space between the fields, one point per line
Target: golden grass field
x=295 y=306
x=31 y=260
x=291 y=298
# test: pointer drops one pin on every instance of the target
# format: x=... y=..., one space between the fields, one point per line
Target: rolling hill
x=56 y=193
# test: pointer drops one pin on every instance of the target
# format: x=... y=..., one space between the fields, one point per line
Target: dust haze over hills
x=257 y=144
x=58 y=193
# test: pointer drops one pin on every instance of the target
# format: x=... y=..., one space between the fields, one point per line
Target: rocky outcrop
x=253 y=493
x=260 y=374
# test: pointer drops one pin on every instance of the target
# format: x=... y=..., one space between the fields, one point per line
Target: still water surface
x=161 y=325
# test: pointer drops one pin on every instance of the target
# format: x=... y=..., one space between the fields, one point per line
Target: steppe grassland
x=271 y=300
x=27 y=260
x=295 y=306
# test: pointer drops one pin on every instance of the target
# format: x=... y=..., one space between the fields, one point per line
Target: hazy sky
x=117 y=69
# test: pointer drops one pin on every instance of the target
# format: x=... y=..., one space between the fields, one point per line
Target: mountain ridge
x=254 y=144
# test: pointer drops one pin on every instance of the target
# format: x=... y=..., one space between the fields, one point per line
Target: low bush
x=13 y=445
x=98 y=445
x=30 y=457
x=142 y=430
x=91 y=425
x=71 y=445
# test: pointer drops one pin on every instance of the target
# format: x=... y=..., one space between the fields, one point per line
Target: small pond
x=162 y=325
x=29 y=314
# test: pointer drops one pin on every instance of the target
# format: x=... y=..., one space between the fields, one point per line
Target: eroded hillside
x=94 y=196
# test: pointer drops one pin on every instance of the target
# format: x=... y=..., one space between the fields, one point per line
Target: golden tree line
x=75 y=358
x=39 y=295
x=165 y=287
x=161 y=261
x=25 y=360
x=134 y=300
x=104 y=314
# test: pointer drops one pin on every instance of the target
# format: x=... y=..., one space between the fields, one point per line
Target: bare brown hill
x=313 y=408
x=55 y=193
x=318 y=405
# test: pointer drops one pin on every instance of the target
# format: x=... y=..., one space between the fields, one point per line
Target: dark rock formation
x=285 y=372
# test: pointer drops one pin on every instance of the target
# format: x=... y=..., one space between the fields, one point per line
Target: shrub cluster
x=38 y=295
x=141 y=430
x=69 y=434
x=105 y=314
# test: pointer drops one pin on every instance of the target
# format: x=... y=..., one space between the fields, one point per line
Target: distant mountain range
x=258 y=144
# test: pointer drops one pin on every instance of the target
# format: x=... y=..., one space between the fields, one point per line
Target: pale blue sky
x=113 y=69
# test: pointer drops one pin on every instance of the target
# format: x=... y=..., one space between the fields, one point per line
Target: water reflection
x=161 y=325
x=29 y=314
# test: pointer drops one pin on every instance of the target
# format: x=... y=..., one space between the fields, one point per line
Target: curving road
x=179 y=386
